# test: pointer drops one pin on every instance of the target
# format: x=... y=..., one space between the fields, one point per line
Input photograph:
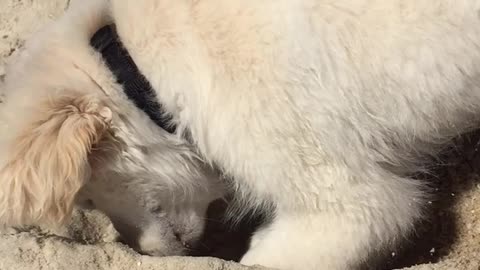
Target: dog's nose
x=178 y=236
x=191 y=245
x=128 y=234
x=187 y=243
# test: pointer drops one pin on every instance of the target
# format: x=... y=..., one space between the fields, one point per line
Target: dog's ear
x=46 y=163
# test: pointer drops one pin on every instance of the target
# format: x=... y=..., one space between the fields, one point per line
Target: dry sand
x=449 y=241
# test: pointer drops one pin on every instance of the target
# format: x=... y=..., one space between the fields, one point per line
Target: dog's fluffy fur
x=323 y=109
x=70 y=135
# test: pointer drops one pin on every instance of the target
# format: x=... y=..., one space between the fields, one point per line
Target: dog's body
x=323 y=109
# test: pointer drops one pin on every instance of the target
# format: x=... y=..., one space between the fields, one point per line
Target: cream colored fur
x=70 y=135
x=48 y=159
x=323 y=109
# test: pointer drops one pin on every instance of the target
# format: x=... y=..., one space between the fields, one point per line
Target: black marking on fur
x=137 y=88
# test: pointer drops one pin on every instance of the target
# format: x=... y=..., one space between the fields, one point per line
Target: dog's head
x=74 y=148
x=155 y=194
x=152 y=185
x=69 y=139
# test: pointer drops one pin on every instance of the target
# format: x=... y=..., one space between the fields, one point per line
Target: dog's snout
x=185 y=244
x=128 y=234
x=190 y=243
x=177 y=235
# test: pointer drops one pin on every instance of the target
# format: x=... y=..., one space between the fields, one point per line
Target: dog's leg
x=340 y=234
x=310 y=241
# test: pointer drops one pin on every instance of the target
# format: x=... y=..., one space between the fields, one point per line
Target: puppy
x=322 y=109
x=70 y=136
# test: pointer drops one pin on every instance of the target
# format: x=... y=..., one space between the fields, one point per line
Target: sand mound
x=89 y=242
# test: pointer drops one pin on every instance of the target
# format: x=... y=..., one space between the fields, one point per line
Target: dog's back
x=324 y=108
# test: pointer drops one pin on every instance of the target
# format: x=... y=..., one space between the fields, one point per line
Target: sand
x=450 y=240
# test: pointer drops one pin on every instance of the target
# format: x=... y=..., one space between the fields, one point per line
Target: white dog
x=323 y=109
x=64 y=141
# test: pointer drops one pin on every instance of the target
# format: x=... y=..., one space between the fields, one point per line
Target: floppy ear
x=47 y=162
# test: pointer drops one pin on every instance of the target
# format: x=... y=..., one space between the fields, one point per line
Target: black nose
x=177 y=235
x=186 y=244
x=190 y=244
x=128 y=234
x=192 y=248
